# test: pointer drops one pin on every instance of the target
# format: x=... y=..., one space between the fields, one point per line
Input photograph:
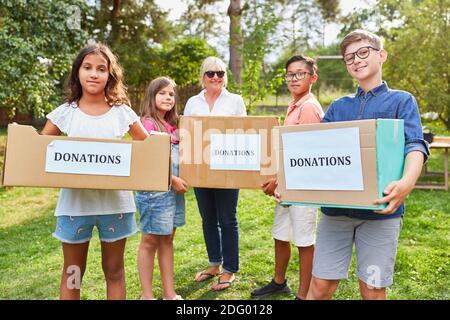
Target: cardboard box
x=200 y=154
x=381 y=144
x=26 y=162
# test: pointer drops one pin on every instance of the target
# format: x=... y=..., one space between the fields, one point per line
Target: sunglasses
x=210 y=74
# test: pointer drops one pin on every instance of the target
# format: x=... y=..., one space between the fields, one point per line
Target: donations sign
x=235 y=152
x=83 y=157
x=323 y=160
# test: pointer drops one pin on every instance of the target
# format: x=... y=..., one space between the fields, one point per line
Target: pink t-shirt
x=150 y=125
x=304 y=111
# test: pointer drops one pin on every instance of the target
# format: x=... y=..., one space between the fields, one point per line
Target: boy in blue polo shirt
x=374 y=233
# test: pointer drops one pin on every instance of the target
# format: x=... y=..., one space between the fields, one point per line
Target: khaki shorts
x=296 y=224
x=375 y=245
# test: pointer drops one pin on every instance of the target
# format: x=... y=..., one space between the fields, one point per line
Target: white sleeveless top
x=110 y=125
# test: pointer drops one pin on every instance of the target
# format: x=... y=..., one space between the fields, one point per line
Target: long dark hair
x=148 y=105
x=115 y=89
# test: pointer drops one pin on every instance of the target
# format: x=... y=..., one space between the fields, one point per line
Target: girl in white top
x=96 y=108
x=217 y=206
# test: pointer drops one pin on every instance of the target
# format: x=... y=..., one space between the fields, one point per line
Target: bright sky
x=176 y=8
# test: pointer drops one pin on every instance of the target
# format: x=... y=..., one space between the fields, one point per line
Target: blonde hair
x=359 y=35
x=148 y=105
x=208 y=65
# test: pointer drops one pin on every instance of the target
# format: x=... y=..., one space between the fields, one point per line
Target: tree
x=236 y=39
x=200 y=19
x=183 y=59
x=261 y=20
x=423 y=71
x=136 y=31
x=416 y=33
x=39 y=40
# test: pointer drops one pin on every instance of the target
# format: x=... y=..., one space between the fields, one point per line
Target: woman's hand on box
x=179 y=185
x=269 y=186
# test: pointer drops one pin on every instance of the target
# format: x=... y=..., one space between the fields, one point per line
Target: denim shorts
x=160 y=212
x=111 y=227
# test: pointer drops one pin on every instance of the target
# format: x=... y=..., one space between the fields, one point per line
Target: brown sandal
x=227 y=284
x=199 y=276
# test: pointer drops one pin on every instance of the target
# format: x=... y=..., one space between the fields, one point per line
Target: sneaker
x=270 y=288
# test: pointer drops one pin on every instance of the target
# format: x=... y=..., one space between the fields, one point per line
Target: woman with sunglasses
x=217 y=206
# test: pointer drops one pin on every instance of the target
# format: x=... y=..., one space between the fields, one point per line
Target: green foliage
x=416 y=38
x=147 y=44
x=183 y=58
x=329 y=9
x=135 y=31
x=267 y=26
x=39 y=39
x=201 y=18
x=261 y=21
x=425 y=72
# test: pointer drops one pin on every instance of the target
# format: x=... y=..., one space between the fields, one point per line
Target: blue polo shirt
x=379 y=103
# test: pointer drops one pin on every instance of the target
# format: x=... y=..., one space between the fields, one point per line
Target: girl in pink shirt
x=160 y=212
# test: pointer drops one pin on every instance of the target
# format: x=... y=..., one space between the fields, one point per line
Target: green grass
x=31 y=259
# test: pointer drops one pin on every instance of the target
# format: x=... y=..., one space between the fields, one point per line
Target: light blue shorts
x=111 y=227
x=375 y=244
x=160 y=212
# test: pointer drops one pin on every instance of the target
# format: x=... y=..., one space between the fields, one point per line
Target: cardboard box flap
x=25 y=159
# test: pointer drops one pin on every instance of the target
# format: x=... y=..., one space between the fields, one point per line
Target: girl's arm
x=137 y=131
x=50 y=129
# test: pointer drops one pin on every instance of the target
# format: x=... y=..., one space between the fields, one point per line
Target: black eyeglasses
x=210 y=74
x=299 y=75
x=362 y=53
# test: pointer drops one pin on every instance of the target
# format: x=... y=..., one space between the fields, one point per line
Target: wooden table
x=439 y=142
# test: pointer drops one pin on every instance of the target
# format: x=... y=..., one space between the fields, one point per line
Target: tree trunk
x=114 y=24
x=234 y=12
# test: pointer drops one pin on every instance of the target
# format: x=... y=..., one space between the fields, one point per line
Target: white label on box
x=235 y=152
x=84 y=157
x=323 y=160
